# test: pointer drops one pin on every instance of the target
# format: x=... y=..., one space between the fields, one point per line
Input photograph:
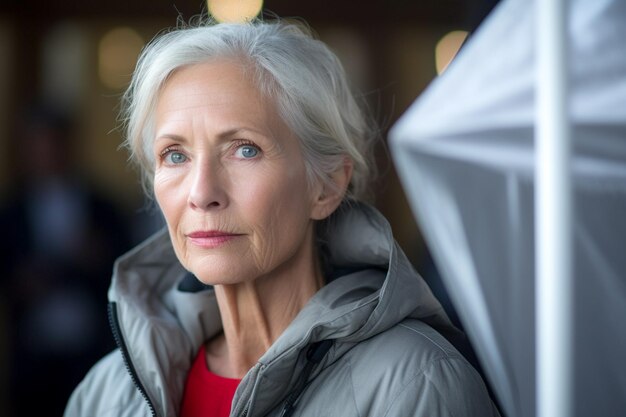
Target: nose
x=207 y=191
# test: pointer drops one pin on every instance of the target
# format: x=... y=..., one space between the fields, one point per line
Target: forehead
x=224 y=86
x=215 y=99
x=217 y=81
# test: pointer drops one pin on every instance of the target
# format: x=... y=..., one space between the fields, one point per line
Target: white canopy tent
x=465 y=154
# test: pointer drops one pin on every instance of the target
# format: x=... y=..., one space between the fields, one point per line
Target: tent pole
x=553 y=215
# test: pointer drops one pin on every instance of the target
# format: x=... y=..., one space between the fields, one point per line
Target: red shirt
x=207 y=394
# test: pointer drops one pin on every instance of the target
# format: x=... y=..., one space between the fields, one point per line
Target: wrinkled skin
x=225 y=161
x=228 y=168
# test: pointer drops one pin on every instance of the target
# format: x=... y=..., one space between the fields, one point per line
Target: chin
x=215 y=274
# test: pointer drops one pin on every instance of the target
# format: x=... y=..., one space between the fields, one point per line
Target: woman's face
x=229 y=176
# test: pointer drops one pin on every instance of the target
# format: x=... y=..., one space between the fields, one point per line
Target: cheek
x=171 y=198
x=279 y=211
x=167 y=193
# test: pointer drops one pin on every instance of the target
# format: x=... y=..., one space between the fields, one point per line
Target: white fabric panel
x=464 y=152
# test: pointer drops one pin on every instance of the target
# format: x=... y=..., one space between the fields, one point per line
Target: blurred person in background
x=59 y=240
x=275 y=289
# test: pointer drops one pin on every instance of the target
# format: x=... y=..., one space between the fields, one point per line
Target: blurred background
x=69 y=202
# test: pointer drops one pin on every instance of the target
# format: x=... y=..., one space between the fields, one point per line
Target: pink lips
x=211 y=238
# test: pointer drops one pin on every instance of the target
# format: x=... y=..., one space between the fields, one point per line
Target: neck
x=255 y=313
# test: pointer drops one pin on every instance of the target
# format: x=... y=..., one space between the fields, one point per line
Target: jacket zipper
x=314 y=356
x=119 y=340
x=246 y=408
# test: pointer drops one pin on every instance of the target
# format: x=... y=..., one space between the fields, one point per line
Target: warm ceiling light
x=117 y=56
x=447 y=48
x=234 y=11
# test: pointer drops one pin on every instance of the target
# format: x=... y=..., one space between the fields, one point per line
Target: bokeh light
x=447 y=48
x=234 y=11
x=117 y=56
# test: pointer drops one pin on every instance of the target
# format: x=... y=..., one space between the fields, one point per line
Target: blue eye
x=175 y=158
x=247 y=152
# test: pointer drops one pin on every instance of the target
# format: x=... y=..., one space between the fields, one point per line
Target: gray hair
x=301 y=74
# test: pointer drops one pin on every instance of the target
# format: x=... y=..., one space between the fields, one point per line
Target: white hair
x=303 y=77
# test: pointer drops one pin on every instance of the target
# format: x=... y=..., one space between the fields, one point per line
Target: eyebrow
x=170 y=136
x=221 y=136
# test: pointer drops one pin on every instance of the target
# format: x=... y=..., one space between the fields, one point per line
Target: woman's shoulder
x=410 y=343
x=416 y=368
x=107 y=390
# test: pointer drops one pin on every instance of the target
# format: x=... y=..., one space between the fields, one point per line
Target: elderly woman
x=274 y=291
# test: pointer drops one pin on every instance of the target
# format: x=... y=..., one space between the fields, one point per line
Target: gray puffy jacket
x=364 y=345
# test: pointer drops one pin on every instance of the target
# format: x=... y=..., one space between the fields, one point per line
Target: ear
x=328 y=196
